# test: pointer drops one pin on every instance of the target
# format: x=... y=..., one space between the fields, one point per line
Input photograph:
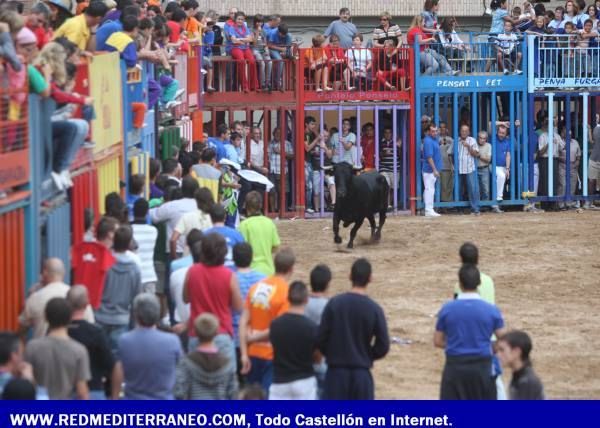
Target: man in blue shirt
x=218 y=143
x=502 y=154
x=123 y=41
x=232 y=236
x=432 y=165
x=464 y=329
x=343 y=28
x=279 y=43
x=111 y=26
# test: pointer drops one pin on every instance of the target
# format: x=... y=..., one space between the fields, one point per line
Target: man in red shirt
x=38 y=23
x=367 y=144
x=92 y=260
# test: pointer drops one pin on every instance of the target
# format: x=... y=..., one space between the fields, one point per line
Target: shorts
x=160 y=269
x=207 y=62
x=594 y=170
x=328 y=180
x=276 y=180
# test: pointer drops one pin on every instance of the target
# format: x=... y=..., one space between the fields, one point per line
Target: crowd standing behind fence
x=229 y=167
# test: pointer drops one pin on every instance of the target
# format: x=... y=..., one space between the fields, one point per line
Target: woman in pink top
x=211 y=287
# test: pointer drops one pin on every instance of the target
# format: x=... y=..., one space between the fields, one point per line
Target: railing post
x=551 y=144
x=585 y=144
x=530 y=59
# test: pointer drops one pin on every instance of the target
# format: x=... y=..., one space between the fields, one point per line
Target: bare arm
x=116 y=380
x=244 y=321
x=236 y=296
x=186 y=288
x=173 y=244
x=439 y=339
x=82 y=391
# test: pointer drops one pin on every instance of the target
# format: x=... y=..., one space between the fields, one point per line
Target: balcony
x=475 y=62
x=561 y=64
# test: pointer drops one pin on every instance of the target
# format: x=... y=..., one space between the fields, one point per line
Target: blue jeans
x=472 y=183
x=278 y=64
x=261 y=372
x=483 y=175
x=67 y=136
x=264 y=64
x=113 y=332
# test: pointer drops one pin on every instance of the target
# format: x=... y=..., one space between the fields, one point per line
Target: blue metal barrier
x=479 y=95
x=56 y=233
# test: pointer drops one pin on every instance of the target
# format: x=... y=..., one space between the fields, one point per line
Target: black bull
x=358 y=197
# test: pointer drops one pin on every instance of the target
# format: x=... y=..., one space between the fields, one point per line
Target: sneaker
x=497 y=210
x=319 y=90
x=455 y=73
x=65 y=176
x=179 y=93
x=589 y=206
x=432 y=214
x=89 y=145
x=172 y=104
x=203 y=71
x=506 y=72
x=210 y=90
x=57 y=179
x=310 y=211
x=518 y=72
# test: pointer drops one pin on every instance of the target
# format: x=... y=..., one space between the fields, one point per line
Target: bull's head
x=343 y=173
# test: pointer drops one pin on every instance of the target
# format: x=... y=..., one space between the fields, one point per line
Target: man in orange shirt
x=266 y=300
x=191 y=26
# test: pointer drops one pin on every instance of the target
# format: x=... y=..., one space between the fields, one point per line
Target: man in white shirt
x=172 y=211
x=545 y=156
x=145 y=235
x=467 y=153
x=344 y=145
x=197 y=219
x=52 y=285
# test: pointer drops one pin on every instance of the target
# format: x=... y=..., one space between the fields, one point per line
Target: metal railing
x=472 y=54
x=362 y=73
x=562 y=61
x=264 y=71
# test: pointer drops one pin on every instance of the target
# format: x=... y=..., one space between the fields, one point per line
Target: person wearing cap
x=79 y=29
x=27 y=48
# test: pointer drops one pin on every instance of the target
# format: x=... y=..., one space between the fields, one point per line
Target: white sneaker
x=65 y=176
x=310 y=211
x=432 y=214
x=57 y=179
x=506 y=72
x=518 y=72
x=179 y=93
x=203 y=71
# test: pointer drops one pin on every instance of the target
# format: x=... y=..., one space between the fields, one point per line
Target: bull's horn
x=328 y=168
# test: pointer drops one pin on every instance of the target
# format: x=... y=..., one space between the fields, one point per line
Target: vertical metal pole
x=405 y=144
x=455 y=135
x=376 y=121
x=418 y=148
x=513 y=136
x=358 y=138
x=395 y=154
x=551 y=143
x=568 y=137
x=322 y=163
x=494 y=141
x=585 y=145
x=283 y=174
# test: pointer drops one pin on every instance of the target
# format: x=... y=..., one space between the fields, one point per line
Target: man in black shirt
x=294 y=339
x=353 y=333
x=102 y=363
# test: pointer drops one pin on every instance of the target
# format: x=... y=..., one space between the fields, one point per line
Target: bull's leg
x=382 y=217
x=371 y=219
x=357 y=226
x=336 y=229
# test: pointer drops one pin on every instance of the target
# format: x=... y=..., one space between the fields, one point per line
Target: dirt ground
x=546 y=269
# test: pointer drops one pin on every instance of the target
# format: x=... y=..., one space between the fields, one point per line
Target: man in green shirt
x=261 y=233
x=469 y=254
